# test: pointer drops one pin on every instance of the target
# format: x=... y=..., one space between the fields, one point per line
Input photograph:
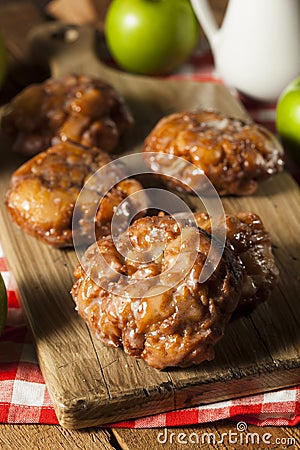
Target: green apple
x=151 y=36
x=288 y=117
x=3 y=59
x=3 y=304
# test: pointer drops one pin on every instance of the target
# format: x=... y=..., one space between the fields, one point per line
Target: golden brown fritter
x=251 y=243
x=143 y=292
x=74 y=107
x=43 y=192
x=234 y=155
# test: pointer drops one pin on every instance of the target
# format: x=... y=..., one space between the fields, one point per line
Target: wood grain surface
x=91 y=384
x=46 y=437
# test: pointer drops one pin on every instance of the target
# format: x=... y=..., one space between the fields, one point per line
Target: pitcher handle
x=206 y=18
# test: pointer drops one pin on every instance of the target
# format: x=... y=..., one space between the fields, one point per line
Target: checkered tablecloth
x=23 y=394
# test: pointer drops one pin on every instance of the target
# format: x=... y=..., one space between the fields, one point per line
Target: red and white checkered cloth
x=23 y=394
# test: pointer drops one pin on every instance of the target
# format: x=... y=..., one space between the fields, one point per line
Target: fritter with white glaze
x=234 y=155
x=143 y=292
x=43 y=192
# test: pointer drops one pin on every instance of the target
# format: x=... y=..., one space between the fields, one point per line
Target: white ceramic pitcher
x=257 y=48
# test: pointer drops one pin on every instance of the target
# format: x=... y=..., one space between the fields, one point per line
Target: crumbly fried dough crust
x=43 y=192
x=251 y=243
x=234 y=155
x=74 y=107
x=164 y=325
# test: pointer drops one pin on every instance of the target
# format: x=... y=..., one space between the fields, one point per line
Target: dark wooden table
x=17 y=17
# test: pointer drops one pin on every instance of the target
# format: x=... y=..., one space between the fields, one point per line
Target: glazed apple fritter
x=234 y=155
x=43 y=192
x=76 y=108
x=251 y=244
x=151 y=306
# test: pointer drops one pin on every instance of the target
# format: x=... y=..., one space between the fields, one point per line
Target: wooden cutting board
x=91 y=384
